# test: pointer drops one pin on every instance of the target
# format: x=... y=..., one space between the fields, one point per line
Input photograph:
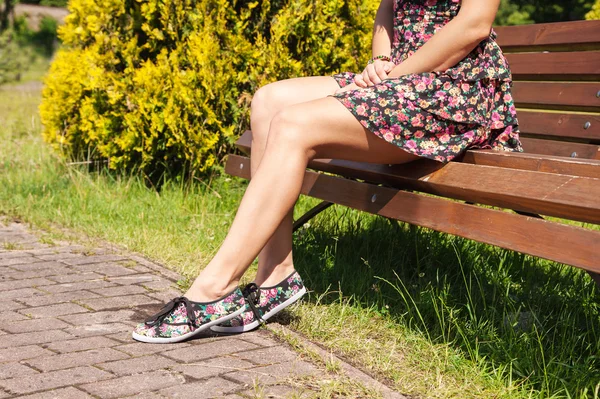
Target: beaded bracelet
x=379 y=57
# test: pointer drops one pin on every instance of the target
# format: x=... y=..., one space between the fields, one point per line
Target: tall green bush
x=42 y=40
x=542 y=11
x=594 y=13
x=512 y=14
x=13 y=59
x=164 y=85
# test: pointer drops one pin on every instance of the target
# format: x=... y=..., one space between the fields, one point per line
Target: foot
x=182 y=318
x=263 y=303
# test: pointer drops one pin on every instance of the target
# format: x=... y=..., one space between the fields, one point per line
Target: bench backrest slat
x=573 y=66
x=556 y=74
x=560 y=148
x=558 y=95
x=562 y=125
x=572 y=36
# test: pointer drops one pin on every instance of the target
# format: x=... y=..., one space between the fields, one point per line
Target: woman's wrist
x=399 y=70
x=381 y=57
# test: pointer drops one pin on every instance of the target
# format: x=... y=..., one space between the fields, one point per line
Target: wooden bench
x=498 y=197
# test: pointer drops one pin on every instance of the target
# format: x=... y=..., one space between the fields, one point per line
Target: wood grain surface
x=562 y=243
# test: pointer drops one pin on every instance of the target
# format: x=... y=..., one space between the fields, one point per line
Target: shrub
x=12 y=59
x=594 y=13
x=513 y=14
x=54 y=3
x=42 y=40
x=46 y=36
x=47 y=3
x=164 y=85
x=17 y=54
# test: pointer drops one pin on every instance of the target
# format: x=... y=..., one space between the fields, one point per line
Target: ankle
x=206 y=290
x=275 y=276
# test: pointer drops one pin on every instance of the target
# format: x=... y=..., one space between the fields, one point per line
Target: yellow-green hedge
x=164 y=85
x=594 y=13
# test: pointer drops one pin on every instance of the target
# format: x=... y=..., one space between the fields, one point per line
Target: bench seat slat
x=535 y=162
x=559 y=124
x=577 y=65
x=557 y=95
x=563 y=196
x=558 y=242
x=570 y=197
x=575 y=34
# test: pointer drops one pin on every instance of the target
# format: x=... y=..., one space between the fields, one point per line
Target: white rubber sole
x=266 y=316
x=183 y=337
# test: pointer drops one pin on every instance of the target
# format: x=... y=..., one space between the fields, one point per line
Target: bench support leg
x=595 y=277
x=311 y=214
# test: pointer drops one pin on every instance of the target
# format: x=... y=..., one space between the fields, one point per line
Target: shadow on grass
x=503 y=309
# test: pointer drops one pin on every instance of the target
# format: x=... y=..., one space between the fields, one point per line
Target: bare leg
x=321 y=128
x=275 y=261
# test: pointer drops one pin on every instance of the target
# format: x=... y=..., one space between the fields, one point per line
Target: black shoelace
x=169 y=307
x=252 y=295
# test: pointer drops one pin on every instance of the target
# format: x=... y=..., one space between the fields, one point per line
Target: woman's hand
x=351 y=86
x=374 y=73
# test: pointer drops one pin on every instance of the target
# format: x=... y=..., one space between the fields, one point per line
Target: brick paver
x=134 y=384
x=24 y=352
x=9 y=370
x=74 y=359
x=68 y=312
x=62 y=393
x=137 y=365
x=60 y=309
x=34 y=325
x=106 y=329
x=53 y=379
x=10 y=305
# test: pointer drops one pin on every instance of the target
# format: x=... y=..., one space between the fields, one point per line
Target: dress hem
x=452 y=139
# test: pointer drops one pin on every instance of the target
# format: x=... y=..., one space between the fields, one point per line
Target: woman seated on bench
x=437 y=85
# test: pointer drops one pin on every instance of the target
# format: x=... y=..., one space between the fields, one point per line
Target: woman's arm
x=454 y=41
x=383 y=29
x=383 y=36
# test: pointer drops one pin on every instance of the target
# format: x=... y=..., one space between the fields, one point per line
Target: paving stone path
x=67 y=313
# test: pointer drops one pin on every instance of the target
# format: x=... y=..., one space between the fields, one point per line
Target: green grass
x=433 y=315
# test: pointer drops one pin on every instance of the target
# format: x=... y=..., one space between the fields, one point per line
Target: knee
x=265 y=103
x=288 y=129
x=260 y=101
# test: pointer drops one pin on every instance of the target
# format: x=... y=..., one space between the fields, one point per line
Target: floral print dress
x=438 y=115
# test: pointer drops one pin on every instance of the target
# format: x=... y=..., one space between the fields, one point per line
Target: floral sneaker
x=181 y=318
x=263 y=302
